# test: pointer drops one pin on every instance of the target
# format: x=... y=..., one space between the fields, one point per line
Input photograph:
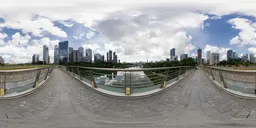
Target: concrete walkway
x=65 y=102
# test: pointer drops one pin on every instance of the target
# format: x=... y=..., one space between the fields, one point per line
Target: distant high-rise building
x=34 y=59
x=183 y=56
x=80 y=54
x=172 y=55
x=252 y=58
x=37 y=58
x=88 y=55
x=215 y=58
x=1 y=60
x=45 y=54
x=115 y=57
x=75 y=55
x=230 y=55
x=199 y=56
x=56 y=54
x=107 y=57
x=48 y=60
x=208 y=57
x=98 y=58
x=63 y=52
x=110 y=59
x=244 y=57
x=102 y=58
x=172 y=52
x=70 y=54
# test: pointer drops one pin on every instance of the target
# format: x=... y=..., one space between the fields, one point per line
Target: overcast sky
x=138 y=30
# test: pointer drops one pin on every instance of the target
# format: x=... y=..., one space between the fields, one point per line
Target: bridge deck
x=65 y=102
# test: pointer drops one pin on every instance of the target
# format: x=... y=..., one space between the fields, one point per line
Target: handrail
x=231 y=70
x=127 y=80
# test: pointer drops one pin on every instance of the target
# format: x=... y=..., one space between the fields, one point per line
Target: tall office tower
x=215 y=58
x=37 y=58
x=102 y=58
x=114 y=57
x=208 y=57
x=56 y=54
x=63 y=52
x=75 y=55
x=107 y=57
x=70 y=54
x=252 y=58
x=230 y=55
x=45 y=54
x=88 y=55
x=80 y=54
x=172 y=55
x=183 y=56
x=110 y=59
x=199 y=56
x=34 y=59
x=245 y=57
x=48 y=60
x=98 y=58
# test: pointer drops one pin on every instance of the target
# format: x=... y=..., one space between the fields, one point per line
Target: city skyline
x=138 y=33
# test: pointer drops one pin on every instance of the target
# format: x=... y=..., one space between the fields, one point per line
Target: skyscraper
x=208 y=57
x=75 y=55
x=252 y=59
x=114 y=57
x=56 y=54
x=80 y=54
x=172 y=55
x=88 y=55
x=63 y=52
x=107 y=57
x=98 y=58
x=199 y=56
x=110 y=56
x=37 y=58
x=70 y=53
x=172 y=52
x=183 y=56
x=215 y=58
x=45 y=54
x=34 y=59
x=245 y=57
x=230 y=55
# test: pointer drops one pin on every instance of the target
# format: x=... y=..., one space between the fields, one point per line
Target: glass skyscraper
x=63 y=52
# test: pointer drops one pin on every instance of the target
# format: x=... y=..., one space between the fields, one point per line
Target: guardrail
x=236 y=80
x=15 y=81
x=132 y=80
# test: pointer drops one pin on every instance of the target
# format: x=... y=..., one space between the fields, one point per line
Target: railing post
x=223 y=83
x=212 y=74
x=46 y=74
x=2 y=89
x=165 y=78
x=78 y=73
x=255 y=83
x=93 y=80
x=127 y=89
x=179 y=74
x=37 y=78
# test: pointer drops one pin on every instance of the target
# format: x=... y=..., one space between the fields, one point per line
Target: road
x=64 y=102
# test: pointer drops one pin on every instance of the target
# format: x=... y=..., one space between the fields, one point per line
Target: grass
x=17 y=67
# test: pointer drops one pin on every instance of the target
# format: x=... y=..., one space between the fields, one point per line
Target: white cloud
x=17 y=39
x=90 y=34
x=214 y=49
x=247 y=34
x=35 y=25
x=2 y=36
x=252 y=50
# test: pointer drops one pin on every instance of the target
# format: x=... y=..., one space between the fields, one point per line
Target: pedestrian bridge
x=193 y=98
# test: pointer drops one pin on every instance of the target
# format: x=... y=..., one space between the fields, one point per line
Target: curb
x=229 y=92
x=131 y=97
x=27 y=93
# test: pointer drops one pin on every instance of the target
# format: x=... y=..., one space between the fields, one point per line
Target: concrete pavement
x=65 y=102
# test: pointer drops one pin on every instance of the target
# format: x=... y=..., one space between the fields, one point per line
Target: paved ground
x=65 y=102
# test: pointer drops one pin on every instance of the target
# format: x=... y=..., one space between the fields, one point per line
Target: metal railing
x=132 y=80
x=238 y=80
x=14 y=81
